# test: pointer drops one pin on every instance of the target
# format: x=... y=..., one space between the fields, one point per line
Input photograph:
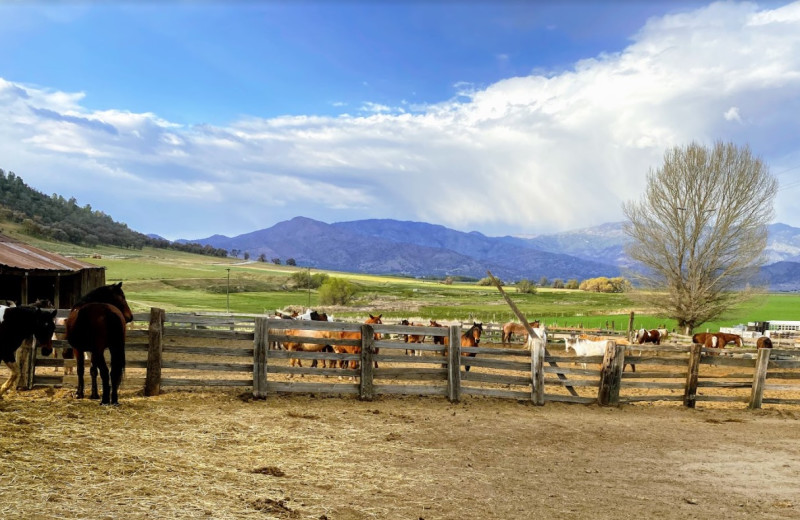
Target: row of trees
x=56 y=218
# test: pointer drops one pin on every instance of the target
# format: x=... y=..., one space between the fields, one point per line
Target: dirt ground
x=219 y=454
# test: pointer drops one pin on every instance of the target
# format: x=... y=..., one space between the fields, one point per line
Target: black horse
x=18 y=324
x=96 y=323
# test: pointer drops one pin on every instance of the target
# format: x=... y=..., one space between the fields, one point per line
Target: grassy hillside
x=178 y=281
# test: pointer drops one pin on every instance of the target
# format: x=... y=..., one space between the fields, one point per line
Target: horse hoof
x=94 y=397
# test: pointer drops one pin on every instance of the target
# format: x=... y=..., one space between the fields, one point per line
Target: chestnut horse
x=519 y=329
x=647 y=336
x=356 y=349
x=763 y=342
x=471 y=338
x=18 y=324
x=413 y=338
x=96 y=323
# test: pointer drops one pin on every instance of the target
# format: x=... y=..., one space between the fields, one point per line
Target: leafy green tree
x=572 y=283
x=291 y=261
x=525 y=287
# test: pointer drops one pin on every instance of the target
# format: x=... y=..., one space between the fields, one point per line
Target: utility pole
x=228 y=292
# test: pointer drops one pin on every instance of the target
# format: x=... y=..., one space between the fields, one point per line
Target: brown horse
x=96 y=323
x=763 y=342
x=413 y=338
x=438 y=340
x=471 y=338
x=513 y=327
x=18 y=324
x=647 y=336
x=356 y=349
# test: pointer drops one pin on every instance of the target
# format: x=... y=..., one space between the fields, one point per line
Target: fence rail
x=180 y=350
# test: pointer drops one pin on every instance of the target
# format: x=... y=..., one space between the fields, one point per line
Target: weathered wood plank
x=498 y=364
x=494 y=392
x=569 y=399
x=313 y=388
x=410 y=390
x=208 y=351
x=495 y=379
x=155 y=351
x=214 y=367
x=174 y=381
x=437 y=374
x=654 y=384
x=572 y=382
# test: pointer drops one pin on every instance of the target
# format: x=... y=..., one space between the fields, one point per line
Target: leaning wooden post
x=155 y=346
x=690 y=392
x=759 y=378
x=611 y=374
x=454 y=364
x=366 y=388
x=537 y=370
x=260 y=346
x=528 y=328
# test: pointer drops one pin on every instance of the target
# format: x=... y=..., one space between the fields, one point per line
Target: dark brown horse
x=18 y=324
x=438 y=340
x=763 y=342
x=471 y=338
x=96 y=323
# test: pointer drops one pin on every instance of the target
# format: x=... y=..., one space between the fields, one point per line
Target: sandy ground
x=220 y=454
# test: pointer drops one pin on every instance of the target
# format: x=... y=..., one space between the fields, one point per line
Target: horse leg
x=117 y=367
x=93 y=372
x=99 y=365
x=12 y=379
x=79 y=364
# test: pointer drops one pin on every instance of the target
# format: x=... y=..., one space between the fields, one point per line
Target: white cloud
x=540 y=153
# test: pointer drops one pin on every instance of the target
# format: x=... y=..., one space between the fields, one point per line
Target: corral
x=204 y=452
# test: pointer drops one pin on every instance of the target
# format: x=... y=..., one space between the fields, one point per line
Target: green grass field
x=177 y=281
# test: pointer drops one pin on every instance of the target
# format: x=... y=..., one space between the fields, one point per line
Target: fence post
x=611 y=374
x=759 y=378
x=260 y=347
x=630 y=327
x=155 y=340
x=537 y=371
x=690 y=393
x=366 y=389
x=454 y=364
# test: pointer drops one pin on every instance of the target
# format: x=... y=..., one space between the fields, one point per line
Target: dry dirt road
x=220 y=455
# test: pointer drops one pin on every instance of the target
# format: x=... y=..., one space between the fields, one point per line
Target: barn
x=28 y=274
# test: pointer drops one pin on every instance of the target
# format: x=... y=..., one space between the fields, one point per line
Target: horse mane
x=102 y=294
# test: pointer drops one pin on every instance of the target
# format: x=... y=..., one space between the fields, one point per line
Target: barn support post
x=26 y=364
x=759 y=378
x=454 y=364
x=537 y=370
x=692 y=375
x=611 y=374
x=366 y=388
x=260 y=347
x=155 y=346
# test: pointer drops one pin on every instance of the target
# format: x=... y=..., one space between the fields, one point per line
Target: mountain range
x=419 y=249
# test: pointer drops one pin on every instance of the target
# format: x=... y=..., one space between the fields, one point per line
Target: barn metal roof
x=19 y=255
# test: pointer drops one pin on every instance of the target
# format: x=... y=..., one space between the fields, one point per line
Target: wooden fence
x=183 y=350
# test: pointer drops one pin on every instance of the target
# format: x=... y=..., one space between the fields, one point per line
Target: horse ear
x=119 y=285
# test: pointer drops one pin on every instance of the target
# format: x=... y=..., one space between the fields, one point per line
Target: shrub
x=572 y=284
x=525 y=287
x=487 y=281
x=605 y=285
x=336 y=291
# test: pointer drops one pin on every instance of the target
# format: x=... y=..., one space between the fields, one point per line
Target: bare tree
x=700 y=230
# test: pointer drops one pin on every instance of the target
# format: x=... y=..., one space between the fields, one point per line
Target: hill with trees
x=56 y=218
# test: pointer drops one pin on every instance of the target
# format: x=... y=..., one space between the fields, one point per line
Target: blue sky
x=188 y=119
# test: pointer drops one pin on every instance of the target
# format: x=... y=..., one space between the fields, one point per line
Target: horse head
x=44 y=325
x=110 y=294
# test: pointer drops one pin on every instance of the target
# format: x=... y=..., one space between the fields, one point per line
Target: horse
x=438 y=340
x=471 y=338
x=719 y=340
x=647 y=336
x=95 y=323
x=519 y=329
x=18 y=324
x=356 y=335
x=763 y=342
x=413 y=338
